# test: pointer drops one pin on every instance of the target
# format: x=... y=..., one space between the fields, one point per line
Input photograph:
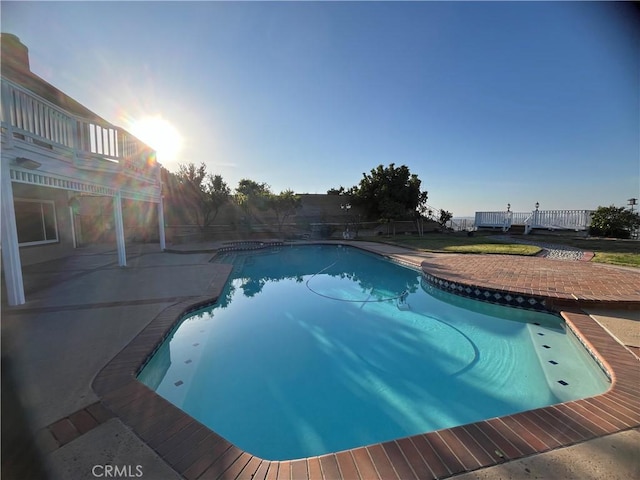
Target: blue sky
x=488 y=103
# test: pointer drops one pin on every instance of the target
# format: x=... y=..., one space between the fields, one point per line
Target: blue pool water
x=318 y=349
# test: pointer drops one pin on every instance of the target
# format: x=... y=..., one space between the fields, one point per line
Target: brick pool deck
x=581 y=284
x=196 y=452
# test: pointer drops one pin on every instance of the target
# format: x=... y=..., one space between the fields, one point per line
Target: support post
x=10 y=250
x=163 y=245
x=117 y=216
x=73 y=227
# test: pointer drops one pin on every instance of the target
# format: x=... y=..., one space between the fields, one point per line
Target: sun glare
x=160 y=135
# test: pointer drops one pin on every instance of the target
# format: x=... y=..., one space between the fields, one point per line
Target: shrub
x=613 y=222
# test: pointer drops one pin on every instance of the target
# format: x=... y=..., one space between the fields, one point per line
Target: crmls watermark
x=117 y=471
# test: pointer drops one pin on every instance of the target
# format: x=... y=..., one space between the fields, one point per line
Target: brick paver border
x=69 y=428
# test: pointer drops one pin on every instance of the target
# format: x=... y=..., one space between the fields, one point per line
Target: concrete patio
x=83 y=310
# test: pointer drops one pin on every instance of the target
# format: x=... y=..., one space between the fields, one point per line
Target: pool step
x=559 y=366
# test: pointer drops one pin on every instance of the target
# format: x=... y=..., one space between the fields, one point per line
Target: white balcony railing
x=31 y=118
x=28 y=115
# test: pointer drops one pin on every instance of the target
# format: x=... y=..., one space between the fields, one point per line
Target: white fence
x=492 y=219
x=561 y=219
x=548 y=219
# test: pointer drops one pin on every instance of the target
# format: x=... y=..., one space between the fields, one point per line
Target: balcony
x=37 y=128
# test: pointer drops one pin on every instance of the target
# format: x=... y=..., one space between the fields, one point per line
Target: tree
x=284 y=205
x=252 y=196
x=612 y=221
x=389 y=193
x=218 y=193
x=209 y=192
x=422 y=212
x=176 y=198
x=444 y=218
x=336 y=191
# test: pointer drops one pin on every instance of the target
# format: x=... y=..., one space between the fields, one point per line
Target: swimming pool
x=317 y=349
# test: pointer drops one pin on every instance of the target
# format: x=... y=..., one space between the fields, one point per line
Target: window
x=36 y=221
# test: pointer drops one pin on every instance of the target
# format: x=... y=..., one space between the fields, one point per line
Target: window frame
x=42 y=217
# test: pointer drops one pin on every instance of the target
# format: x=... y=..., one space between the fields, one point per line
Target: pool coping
x=194 y=451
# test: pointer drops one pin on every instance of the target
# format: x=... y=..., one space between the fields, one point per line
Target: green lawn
x=616 y=252
x=626 y=259
x=459 y=243
x=607 y=250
